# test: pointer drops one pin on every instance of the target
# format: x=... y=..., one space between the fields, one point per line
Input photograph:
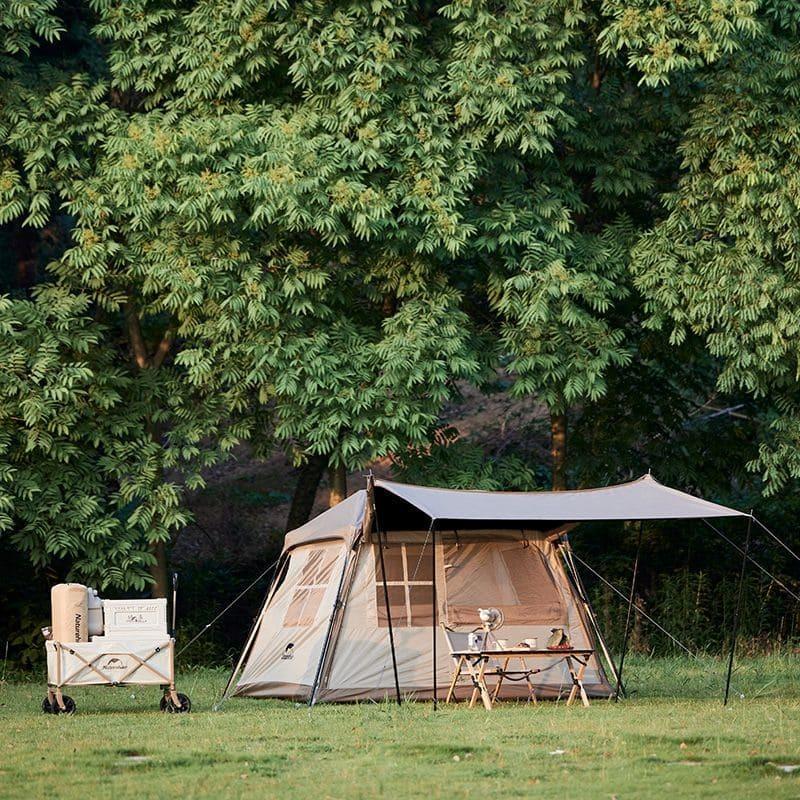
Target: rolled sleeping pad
x=70 y=609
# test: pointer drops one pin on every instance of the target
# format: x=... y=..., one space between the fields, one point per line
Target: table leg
x=456 y=676
x=485 y=696
x=531 y=688
x=500 y=680
x=584 y=696
x=577 y=682
x=574 y=690
x=475 y=686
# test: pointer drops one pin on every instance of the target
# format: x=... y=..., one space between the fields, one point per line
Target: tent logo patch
x=288 y=651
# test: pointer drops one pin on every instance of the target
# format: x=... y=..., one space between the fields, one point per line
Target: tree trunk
x=338 y=481
x=558 y=450
x=305 y=491
x=159 y=571
x=143 y=359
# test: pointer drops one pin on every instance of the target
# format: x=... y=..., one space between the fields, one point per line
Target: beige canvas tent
x=325 y=632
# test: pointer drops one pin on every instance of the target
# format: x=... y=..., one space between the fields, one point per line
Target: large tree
x=724 y=263
x=300 y=223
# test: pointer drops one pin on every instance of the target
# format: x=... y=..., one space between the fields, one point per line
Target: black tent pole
x=433 y=611
x=737 y=610
x=628 y=616
x=371 y=487
x=777 y=581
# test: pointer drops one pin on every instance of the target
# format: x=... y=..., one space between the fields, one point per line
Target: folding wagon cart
x=97 y=642
x=113 y=664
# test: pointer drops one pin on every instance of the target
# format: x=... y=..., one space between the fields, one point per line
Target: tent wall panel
x=290 y=639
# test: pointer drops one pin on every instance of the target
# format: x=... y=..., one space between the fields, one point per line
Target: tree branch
x=163 y=347
x=135 y=336
x=138 y=345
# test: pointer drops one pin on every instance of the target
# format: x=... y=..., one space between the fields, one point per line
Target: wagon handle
x=174 y=600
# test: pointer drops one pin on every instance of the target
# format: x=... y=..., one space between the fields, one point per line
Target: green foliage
x=301 y=223
x=724 y=263
x=457 y=463
x=556 y=310
x=662 y=38
x=23 y=23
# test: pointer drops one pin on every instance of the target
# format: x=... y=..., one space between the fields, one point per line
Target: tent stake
x=737 y=611
x=433 y=610
x=620 y=687
x=371 y=490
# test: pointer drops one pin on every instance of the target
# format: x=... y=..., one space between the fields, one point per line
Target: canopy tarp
x=644 y=498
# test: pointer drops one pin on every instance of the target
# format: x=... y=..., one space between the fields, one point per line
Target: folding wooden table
x=477 y=665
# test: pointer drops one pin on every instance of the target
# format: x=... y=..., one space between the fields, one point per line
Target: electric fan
x=491 y=618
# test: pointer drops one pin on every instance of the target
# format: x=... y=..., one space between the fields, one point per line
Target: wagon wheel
x=54 y=708
x=169 y=706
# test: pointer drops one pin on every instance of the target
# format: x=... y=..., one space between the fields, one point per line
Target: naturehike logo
x=115 y=663
x=288 y=651
x=78 y=618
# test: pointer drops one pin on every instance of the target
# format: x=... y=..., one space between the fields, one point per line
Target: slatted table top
x=523 y=651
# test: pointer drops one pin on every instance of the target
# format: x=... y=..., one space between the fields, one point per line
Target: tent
x=327 y=633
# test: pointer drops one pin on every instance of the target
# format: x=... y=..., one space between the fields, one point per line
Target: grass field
x=673 y=738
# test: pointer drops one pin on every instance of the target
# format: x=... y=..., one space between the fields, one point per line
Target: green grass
x=672 y=739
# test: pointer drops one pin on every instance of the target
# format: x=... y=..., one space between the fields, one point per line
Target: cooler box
x=134 y=619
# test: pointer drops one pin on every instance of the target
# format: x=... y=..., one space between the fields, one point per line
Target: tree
x=560 y=282
x=723 y=263
x=205 y=250
x=299 y=224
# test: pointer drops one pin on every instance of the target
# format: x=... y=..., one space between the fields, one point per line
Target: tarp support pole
x=574 y=576
x=628 y=616
x=371 y=490
x=433 y=610
x=737 y=611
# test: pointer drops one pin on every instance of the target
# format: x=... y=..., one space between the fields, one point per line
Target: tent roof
x=644 y=498
x=340 y=522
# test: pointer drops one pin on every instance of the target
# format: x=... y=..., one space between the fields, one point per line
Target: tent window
x=409 y=579
x=511 y=577
x=310 y=589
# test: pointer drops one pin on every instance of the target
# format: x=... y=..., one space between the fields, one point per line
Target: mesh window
x=514 y=578
x=312 y=583
x=409 y=579
x=421 y=605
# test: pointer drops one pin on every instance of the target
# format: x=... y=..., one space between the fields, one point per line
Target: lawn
x=672 y=738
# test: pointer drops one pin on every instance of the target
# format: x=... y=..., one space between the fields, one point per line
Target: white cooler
x=126 y=619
